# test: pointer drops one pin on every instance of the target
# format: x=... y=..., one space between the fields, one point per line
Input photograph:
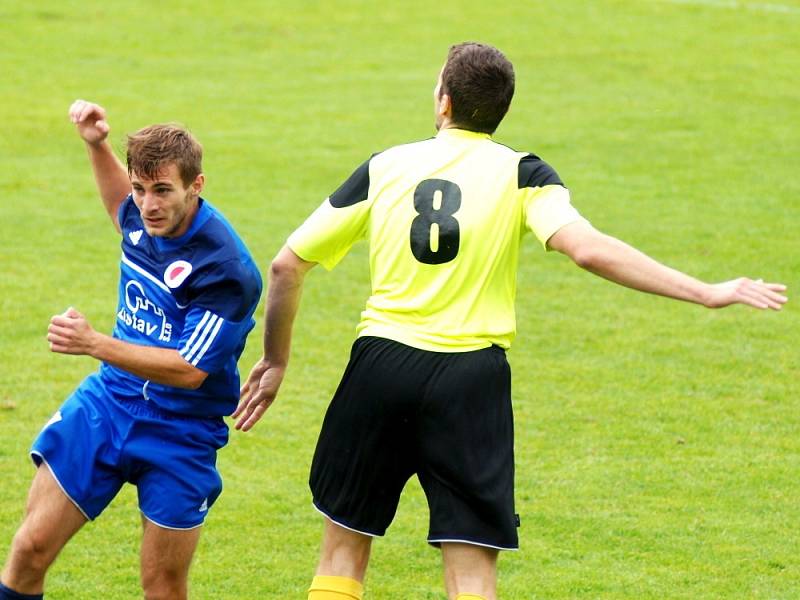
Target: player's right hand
x=70 y=333
x=90 y=121
x=258 y=393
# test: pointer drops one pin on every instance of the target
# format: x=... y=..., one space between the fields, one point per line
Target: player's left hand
x=70 y=333
x=751 y=292
x=90 y=121
x=258 y=393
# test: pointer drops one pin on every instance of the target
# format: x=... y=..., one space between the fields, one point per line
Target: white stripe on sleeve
x=199 y=343
x=195 y=332
x=208 y=341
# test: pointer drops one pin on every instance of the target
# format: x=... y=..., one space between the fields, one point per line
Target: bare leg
x=344 y=553
x=51 y=519
x=166 y=557
x=469 y=569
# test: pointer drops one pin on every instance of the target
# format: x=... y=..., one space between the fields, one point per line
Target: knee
x=164 y=585
x=345 y=559
x=31 y=551
x=470 y=572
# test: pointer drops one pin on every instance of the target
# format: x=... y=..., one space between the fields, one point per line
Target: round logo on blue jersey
x=176 y=273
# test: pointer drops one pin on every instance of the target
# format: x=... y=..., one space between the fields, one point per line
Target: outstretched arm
x=71 y=333
x=616 y=261
x=287 y=274
x=110 y=175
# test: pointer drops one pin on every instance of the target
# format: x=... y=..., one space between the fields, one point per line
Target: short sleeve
x=221 y=301
x=545 y=198
x=548 y=209
x=208 y=340
x=339 y=222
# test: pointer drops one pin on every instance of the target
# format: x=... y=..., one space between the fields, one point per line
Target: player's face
x=166 y=206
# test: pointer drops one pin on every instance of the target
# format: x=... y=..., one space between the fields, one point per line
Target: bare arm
x=71 y=333
x=110 y=175
x=616 y=261
x=287 y=274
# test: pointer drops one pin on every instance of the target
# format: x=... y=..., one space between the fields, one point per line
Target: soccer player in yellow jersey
x=427 y=388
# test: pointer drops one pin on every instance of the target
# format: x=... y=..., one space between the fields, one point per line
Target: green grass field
x=658 y=443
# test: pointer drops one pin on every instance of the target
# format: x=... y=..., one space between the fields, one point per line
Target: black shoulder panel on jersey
x=354 y=190
x=534 y=172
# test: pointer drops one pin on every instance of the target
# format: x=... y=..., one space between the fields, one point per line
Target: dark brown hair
x=480 y=82
x=152 y=149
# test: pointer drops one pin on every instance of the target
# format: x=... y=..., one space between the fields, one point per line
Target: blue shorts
x=96 y=442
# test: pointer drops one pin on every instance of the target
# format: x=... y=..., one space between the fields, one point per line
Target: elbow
x=279 y=269
x=597 y=253
x=195 y=383
x=193 y=379
x=287 y=271
x=588 y=257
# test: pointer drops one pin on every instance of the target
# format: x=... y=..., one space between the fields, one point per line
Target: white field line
x=735 y=5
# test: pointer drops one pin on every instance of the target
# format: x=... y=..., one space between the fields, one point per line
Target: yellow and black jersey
x=444 y=219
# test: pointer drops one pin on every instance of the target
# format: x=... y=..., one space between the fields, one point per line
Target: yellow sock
x=329 y=587
x=469 y=597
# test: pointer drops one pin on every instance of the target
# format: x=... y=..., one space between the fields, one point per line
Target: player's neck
x=447 y=123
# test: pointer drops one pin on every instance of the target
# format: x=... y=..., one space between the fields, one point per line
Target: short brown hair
x=480 y=82
x=152 y=149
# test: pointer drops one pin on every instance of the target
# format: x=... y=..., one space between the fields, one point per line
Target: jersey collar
x=462 y=134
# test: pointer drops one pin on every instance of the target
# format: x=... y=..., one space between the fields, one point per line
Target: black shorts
x=445 y=417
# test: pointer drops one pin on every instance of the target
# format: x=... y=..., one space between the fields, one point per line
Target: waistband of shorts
x=143 y=407
x=366 y=339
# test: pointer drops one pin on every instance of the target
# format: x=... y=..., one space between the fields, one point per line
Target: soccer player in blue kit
x=152 y=415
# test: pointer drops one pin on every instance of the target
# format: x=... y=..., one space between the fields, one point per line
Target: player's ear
x=445 y=105
x=198 y=183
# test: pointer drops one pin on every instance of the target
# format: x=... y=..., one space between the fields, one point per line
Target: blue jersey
x=196 y=294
